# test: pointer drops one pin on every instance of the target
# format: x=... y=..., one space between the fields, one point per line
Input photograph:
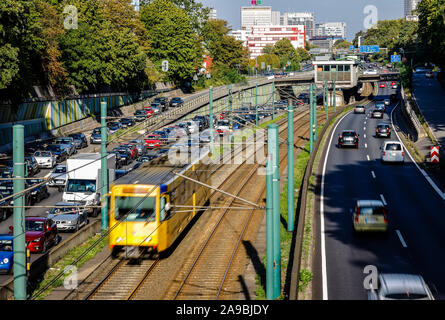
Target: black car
x=383 y=130
x=140 y=115
x=38 y=193
x=7 y=189
x=59 y=151
x=80 y=140
x=163 y=101
x=32 y=166
x=125 y=154
x=176 y=102
x=127 y=122
x=202 y=122
x=348 y=138
x=120 y=162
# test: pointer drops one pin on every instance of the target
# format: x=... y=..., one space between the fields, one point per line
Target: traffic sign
x=165 y=66
x=263 y=65
x=351 y=48
x=369 y=49
x=395 y=58
x=434 y=153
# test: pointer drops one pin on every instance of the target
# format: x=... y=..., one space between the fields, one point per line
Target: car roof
x=6 y=237
x=34 y=218
x=392 y=141
x=70 y=204
x=370 y=203
x=348 y=131
x=382 y=124
x=402 y=283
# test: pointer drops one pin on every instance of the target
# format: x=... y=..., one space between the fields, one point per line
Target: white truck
x=84 y=179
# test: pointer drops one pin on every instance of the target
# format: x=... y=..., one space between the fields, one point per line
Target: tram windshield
x=135 y=208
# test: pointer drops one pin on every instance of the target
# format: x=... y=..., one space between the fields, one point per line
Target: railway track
x=208 y=275
x=127 y=279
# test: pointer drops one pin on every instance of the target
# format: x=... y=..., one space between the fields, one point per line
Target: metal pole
x=315 y=112
x=211 y=118
x=269 y=231
x=19 y=214
x=311 y=121
x=326 y=97
x=104 y=165
x=273 y=148
x=273 y=100
x=230 y=113
x=290 y=167
x=256 y=105
x=335 y=98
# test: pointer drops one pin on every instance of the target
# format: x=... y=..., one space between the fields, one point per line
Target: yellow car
x=370 y=215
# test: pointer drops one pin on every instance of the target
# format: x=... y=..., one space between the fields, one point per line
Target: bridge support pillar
x=340 y=101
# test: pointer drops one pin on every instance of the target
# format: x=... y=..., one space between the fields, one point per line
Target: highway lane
x=415 y=241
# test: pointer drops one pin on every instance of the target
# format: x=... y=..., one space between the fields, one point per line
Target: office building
x=212 y=14
x=299 y=18
x=331 y=29
x=255 y=16
x=410 y=5
x=260 y=36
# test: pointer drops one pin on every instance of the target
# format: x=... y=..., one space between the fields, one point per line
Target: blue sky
x=349 y=11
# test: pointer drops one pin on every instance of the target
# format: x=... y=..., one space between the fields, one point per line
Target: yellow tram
x=150 y=206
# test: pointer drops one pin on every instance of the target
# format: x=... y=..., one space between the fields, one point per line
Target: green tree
x=172 y=38
x=286 y=53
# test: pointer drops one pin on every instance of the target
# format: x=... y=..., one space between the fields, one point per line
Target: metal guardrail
x=411 y=114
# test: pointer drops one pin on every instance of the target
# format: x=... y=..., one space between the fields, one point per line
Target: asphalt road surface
x=415 y=242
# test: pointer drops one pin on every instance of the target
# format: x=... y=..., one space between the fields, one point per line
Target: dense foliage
x=112 y=47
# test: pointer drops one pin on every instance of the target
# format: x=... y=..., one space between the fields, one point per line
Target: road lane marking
x=322 y=226
x=367 y=157
x=366 y=145
x=364 y=136
x=383 y=199
x=373 y=174
x=364 y=128
x=401 y=239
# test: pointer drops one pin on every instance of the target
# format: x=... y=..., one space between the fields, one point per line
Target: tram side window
x=135 y=208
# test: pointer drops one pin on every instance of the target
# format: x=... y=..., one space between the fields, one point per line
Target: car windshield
x=153 y=137
x=135 y=208
x=54 y=148
x=77 y=185
x=63 y=210
x=32 y=225
x=406 y=296
x=60 y=170
x=372 y=211
x=5 y=245
x=348 y=134
x=96 y=131
x=393 y=147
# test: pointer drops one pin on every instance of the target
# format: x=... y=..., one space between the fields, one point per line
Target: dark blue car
x=175 y=102
x=6 y=253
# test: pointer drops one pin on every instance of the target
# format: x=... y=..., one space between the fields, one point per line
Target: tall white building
x=300 y=18
x=255 y=16
x=331 y=29
x=410 y=5
x=212 y=14
x=276 y=17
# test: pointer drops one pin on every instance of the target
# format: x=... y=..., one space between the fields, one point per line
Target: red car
x=40 y=234
x=132 y=149
x=382 y=85
x=153 y=141
x=149 y=111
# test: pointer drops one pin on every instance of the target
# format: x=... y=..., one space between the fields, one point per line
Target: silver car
x=392 y=151
x=393 y=286
x=359 y=109
x=45 y=159
x=140 y=145
x=58 y=177
x=68 y=216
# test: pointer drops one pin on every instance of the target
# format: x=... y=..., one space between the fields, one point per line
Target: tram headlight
x=120 y=239
x=148 y=240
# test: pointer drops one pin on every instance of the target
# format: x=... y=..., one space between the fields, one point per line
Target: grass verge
x=67 y=261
